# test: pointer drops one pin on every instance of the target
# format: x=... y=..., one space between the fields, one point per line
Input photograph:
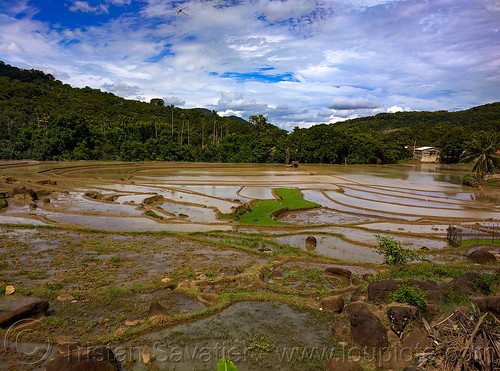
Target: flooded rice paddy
x=117 y=237
x=375 y=198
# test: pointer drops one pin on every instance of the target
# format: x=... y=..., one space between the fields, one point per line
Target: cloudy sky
x=299 y=62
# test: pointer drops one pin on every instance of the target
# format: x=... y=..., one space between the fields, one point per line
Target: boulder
x=333 y=303
x=32 y=194
x=461 y=283
x=208 y=299
x=367 y=330
x=341 y=364
x=481 y=257
x=488 y=303
x=85 y=359
x=355 y=306
x=379 y=291
x=399 y=315
x=35 y=309
x=416 y=340
x=311 y=243
x=434 y=290
x=157 y=311
x=337 y=272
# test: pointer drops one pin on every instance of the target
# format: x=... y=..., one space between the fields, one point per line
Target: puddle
x=334 y=247
x=320 y=198
x=252 y=334
x=323 y=216
x=258 y=193
x=409 y=210
x=191 y=213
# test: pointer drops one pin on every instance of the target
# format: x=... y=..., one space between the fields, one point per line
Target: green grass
x=262 y=212
x=468 y=243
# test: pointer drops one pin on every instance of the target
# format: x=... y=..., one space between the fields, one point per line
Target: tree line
x=43 y=119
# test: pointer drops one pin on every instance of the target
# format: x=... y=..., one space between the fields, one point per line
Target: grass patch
x=469 y=243
x=425 y=270
x=264 y=212
x=152 y=214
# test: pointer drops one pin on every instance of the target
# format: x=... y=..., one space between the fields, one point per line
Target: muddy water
x=351 y=195
x=254 y=335
x=334 y=247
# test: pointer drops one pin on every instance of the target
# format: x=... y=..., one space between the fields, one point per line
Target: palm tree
x=483 y=151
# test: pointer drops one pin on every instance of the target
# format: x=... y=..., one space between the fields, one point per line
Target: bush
x=484 y=284
x=471 y=180
x=410 y=295
x=394 y=253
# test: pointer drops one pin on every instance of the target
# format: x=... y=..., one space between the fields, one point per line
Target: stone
x=334 y=303
x=461 y=283
x=311 y=243
x=355 y=281
x=338 y=272
x=166 y=280
x=35 y=309
x=46 y=200
x=9 y=290
x=83 y=359
x=340 y=364
x=145 y=356
x=65 y=298
x=481 y=257
x=133 y=322
x=399 y=315
x=379 y=291
x=488 y=303
x=416 y=340
x=367 y=330
x=208 y=299
x=157 y=311
x=187 y=284
x=367 y=277
x=32 y=194
x=435 y=290
x=355 y=306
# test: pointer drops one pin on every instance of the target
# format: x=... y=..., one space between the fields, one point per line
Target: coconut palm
x=483 y=151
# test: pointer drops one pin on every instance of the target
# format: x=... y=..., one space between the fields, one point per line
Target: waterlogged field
x=221 y=247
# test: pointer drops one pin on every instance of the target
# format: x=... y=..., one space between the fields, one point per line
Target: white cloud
x=176 y=101
x=347 y=104
x=368 y=54
x=122 y=89
x=85 y=7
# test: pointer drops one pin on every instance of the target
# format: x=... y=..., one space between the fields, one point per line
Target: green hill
x=43 y=119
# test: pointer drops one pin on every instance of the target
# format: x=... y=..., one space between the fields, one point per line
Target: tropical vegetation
x=44 y=119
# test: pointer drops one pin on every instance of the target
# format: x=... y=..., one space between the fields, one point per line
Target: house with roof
x=425 y=154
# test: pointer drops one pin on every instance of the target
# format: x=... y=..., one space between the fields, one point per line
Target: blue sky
x=299 y=62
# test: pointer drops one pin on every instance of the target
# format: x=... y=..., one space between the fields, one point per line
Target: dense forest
x=43 y=119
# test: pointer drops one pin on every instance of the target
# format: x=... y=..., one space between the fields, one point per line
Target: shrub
x=394 y=252
x=410 y=295
x=484 y=284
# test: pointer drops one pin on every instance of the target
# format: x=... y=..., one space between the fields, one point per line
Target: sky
x=297 y=62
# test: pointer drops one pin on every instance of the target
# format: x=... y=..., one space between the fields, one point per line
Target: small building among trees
x=426 y=154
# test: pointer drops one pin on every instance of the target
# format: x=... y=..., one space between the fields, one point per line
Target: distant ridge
x=43 y=119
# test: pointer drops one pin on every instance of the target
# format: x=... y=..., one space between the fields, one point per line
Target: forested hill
x=41 y=118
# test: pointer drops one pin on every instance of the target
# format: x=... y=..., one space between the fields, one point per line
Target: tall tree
x=482 y=149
